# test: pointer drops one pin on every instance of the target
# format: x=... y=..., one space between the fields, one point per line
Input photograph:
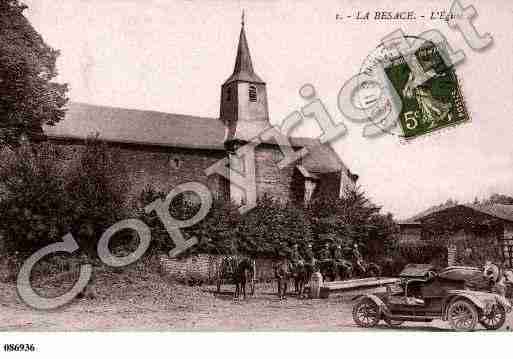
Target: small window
x=252 y=94
x=229 y=94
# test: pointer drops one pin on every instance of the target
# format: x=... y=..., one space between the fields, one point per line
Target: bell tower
x=244 y=109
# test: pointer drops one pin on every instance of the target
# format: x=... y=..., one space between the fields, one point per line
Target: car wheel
x=366 y=313
x=462 y=315
x=495 y=319
x=393 y=322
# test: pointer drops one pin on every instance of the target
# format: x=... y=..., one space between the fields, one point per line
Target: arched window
x=252 y=93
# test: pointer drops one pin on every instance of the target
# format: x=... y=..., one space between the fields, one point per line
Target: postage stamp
x=432 y=105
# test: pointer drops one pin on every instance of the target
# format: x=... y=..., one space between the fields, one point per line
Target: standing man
x=344 y=267
x=309 y=257
x=295 y=257
x=358 y=259
x=325 y=254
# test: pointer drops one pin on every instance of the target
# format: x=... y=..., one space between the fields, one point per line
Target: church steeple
x=244 y=109
x=243 y=70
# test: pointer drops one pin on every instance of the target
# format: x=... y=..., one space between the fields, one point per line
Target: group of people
x=330 y=257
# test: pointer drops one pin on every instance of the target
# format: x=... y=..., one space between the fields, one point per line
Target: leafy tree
x=33 y=206
x=28 y=96
x=45 y=195
x=96 y=188
x=271 y=228
x=216 y=233
x=352 y=219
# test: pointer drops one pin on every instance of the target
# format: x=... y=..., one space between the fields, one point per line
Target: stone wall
x=160 y=167
x=270 y=179
x=204 y=268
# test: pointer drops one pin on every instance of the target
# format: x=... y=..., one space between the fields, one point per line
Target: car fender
x=379 y=302
x=457 y=296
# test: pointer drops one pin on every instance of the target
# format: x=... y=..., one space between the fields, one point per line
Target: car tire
x=366 y=313
x=495 y=320
x=462 y=315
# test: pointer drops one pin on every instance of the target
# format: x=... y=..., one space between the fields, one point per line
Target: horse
x=238 y=271
x=302 y=272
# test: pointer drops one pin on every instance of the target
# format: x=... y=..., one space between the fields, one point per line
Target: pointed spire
x=243 y=70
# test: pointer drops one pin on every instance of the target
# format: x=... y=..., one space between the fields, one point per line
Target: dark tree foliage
x=28 y=96
x=33 y=208
x=216 y=233
x=271 y=228
x=352 y=219
x=96 y=188
x=44 y=197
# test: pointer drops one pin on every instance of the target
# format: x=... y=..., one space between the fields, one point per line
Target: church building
x=164 y=150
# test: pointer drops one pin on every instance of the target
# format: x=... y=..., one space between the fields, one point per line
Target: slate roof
x=243 y=70
x=502 y=211
x=169 y=130
x=139 y=127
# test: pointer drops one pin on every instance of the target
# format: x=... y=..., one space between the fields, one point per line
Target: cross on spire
x=242 y=18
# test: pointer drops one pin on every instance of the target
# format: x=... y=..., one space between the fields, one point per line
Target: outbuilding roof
x=500 y=211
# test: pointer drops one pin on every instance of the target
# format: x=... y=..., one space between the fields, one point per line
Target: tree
x=29 y=98
x=271 y=228
x=96 y=188
x=352 y=219
x=33 y=205
x=216 y=233
x=45 y=195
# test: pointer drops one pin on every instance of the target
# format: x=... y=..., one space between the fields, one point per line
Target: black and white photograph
x=339 y=169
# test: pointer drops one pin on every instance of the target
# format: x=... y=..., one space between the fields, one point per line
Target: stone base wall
x=204 y=268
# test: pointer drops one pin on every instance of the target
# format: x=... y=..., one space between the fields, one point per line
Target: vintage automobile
x=422 y=295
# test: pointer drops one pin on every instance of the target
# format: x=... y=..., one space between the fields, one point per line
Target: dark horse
x=300 y=272
x=238 y=271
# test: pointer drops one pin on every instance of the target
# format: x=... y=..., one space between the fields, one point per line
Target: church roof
x=243 y=70
x=170 y=130
x=139 y=127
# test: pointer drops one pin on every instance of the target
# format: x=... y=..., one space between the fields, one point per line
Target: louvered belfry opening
x=252 y=94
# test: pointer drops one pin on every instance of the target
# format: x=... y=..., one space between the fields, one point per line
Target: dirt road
x=199 y=310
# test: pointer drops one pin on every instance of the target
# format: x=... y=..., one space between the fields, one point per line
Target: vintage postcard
x=301 y=166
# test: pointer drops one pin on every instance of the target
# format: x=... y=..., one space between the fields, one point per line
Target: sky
x=173 y=56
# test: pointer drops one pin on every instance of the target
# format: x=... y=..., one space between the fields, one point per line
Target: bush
x=96 y=189
x=352 y=219
x=33 y=206
x=42 y=199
